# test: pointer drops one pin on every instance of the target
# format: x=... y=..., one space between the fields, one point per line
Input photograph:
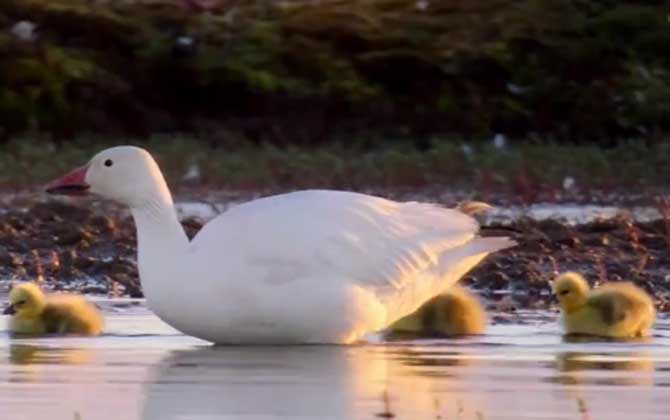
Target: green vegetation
x=303 y=72
x=529 y=171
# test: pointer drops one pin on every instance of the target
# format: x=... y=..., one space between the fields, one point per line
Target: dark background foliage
x=306 y=73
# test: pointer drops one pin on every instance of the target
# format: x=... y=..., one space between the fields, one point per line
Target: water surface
x=521 y=369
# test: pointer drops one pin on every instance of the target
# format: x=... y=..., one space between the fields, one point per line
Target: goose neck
x=161 y=239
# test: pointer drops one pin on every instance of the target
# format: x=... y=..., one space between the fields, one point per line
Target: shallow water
x=143 y=369
x=572 y=214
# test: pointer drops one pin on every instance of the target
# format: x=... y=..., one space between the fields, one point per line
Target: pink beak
x=73 y=183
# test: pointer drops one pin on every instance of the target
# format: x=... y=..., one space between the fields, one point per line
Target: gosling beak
x=73 y=183
x=9 y=310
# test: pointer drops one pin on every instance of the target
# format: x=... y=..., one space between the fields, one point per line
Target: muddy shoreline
x=90 y=247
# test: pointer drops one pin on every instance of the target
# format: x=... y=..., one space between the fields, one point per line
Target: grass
x=528 y=171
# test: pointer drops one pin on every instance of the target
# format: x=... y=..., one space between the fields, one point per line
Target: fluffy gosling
x=617 y=310
x=455 y=312
x=35 y=313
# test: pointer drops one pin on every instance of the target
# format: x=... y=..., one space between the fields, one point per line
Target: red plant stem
x=665 y=213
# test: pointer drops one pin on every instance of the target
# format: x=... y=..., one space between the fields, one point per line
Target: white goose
x=304 y=267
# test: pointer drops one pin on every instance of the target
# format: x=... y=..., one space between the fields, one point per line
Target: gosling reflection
x=32 y=364
x=26 y=354
x=432 y=361
x=631 y=368
x=586 y=338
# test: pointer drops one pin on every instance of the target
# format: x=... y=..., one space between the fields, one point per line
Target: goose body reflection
x=295 y=382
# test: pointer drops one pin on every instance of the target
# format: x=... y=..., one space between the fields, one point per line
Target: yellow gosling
x=455 y=312
x=35 y=313
x=617 y=309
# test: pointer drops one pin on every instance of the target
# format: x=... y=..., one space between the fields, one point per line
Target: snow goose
x=310 y=266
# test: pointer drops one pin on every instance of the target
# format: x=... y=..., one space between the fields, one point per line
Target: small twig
x=525 y=188
x=387 y=413
x=54 y=262
x=600 y=267
x=633 y=236
x=641 y=251
x=39 y=272
x=114 y=289
x=664 y=208
x=642 y=263
x=554 y=265
x=460 y=408
x=583 y=409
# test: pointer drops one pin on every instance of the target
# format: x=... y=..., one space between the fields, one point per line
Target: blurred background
x=518 y=100
x=556 y=112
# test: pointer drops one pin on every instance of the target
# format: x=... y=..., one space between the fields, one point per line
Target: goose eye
x=564 y=292
x=108 y=163
x=19 y=303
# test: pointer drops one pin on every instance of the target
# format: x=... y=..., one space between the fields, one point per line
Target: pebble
x=24 y=30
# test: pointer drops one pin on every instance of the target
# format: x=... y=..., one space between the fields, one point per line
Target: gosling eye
x=109 y=163
x=563 y=292
x=19 y=303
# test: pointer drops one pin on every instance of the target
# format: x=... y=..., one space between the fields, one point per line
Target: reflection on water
x=305 y=382
x=26 y=354
x=586 y=339
x=516 y=371
x=604 y=369
x=208 y=382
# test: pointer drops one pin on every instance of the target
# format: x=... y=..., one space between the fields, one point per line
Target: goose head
x=26 y=300
x=571 y=289
x=126 y=174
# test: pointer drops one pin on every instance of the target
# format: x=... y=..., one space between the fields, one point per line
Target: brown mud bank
x=91 y=249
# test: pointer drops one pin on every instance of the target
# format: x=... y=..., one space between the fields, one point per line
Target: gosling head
x=571 y=289
x=26 y=300
x=126 y=174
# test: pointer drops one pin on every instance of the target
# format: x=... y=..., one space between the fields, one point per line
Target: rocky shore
x=91 y=247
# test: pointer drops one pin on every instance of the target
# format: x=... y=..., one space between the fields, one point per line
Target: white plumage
x=304 y=267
